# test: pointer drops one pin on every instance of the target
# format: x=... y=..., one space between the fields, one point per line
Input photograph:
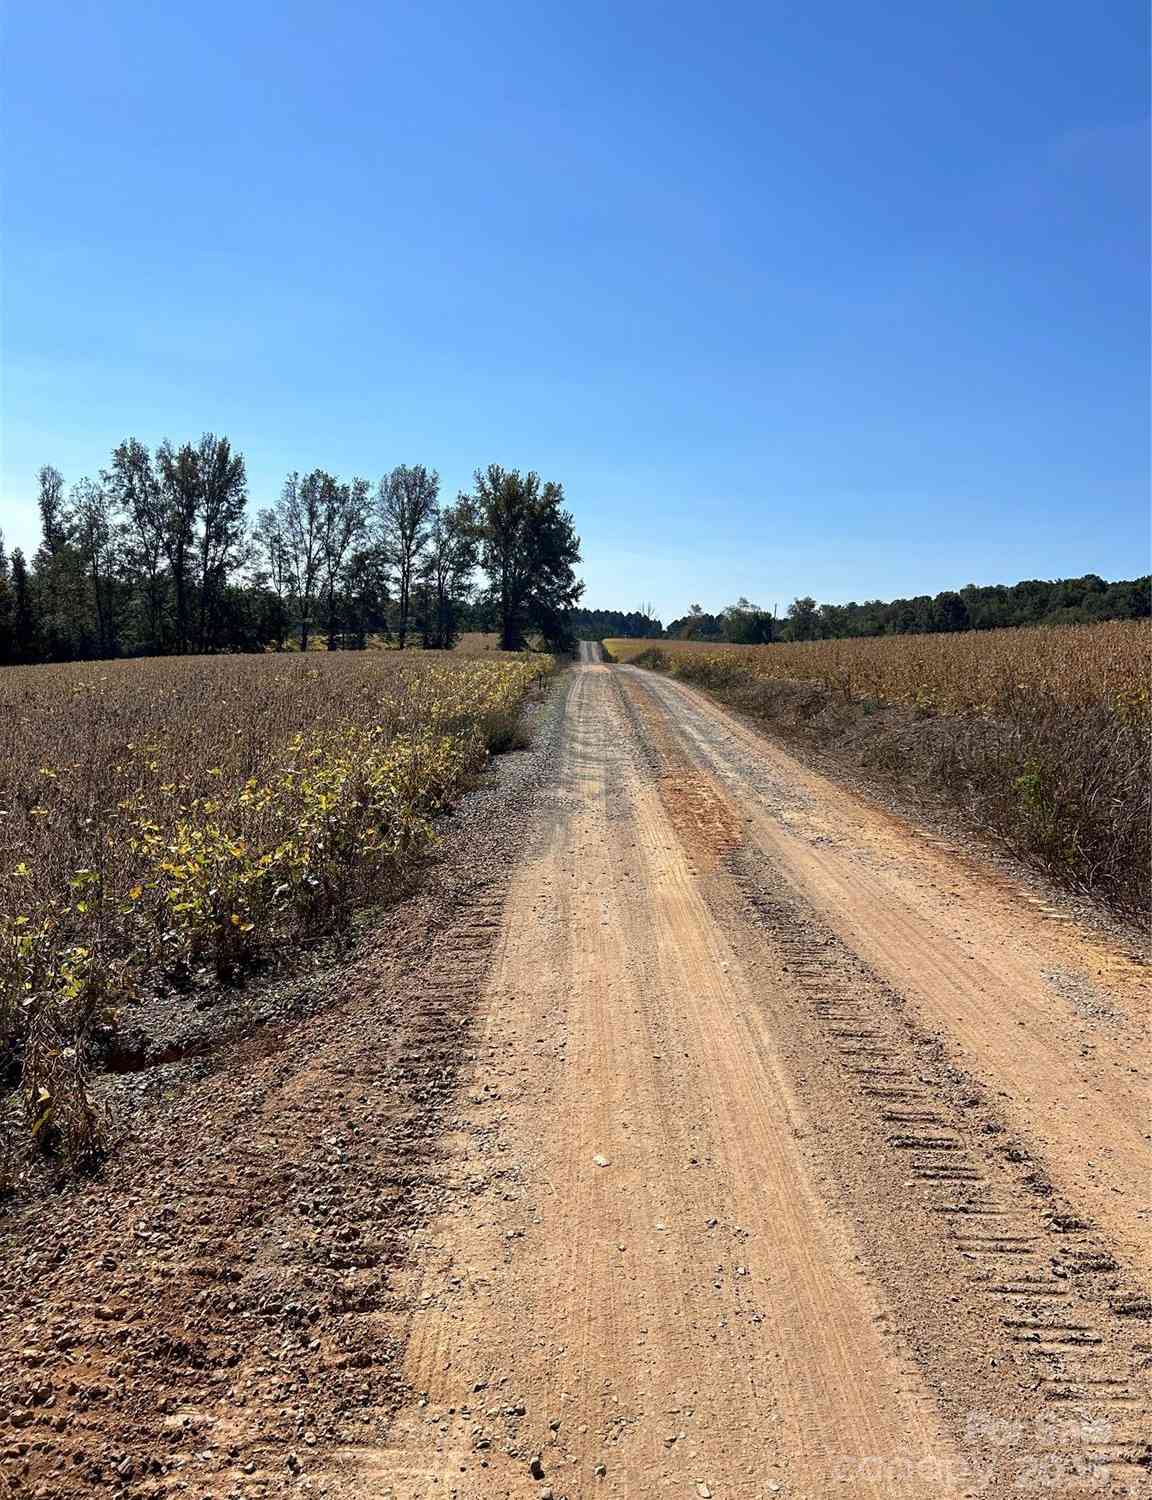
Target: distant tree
x=222 y=494
x=344 y=519
x=179 y=483
x=25 y=635
x=96 y=538
x=299 y=528
x=406 y=506
x=529 y=550
x=56 y=577
x=53 y=512
x=696 y=625
x=746 y=623
x=833 y=621
x=804 y=619
x=600 y=624
x=368 y=584
x=134 y=486
x=950 y=611
x=273 y=576
x=453 y=552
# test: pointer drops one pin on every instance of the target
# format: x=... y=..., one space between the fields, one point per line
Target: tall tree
x=53 y=510
x=57 y=580
x=343 y=522
x=135 y=487
x=804 y=619
x=178 y=471
x=406 y=505
x=453 y=552
x=95 y=540
x=299 y=519
x=275 y=577
x=367 y=583
x=25 y=634
x=223 y=493
x=529 y=549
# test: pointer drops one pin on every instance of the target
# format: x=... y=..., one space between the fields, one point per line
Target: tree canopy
x=529 y=550
x=160 y=554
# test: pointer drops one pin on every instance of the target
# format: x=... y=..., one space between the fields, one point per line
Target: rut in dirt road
x=742 y=1198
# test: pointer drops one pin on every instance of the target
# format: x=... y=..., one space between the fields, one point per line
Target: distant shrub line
x=997 y=606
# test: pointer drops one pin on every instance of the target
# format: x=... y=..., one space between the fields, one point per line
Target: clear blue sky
x=833 y=298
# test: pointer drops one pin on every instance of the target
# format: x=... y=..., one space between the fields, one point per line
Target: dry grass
x=477 y=642
x=169 y=817
x=974 y=672
x=1038 y=738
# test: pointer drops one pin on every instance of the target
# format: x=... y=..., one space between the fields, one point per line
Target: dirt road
x=698 y=1130
x=798 y=1157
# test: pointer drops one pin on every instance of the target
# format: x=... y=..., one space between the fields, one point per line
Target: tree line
x=616 y=624
x=1034 y=601
x=160 y=555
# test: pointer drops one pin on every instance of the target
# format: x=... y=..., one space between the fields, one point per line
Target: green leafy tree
x=134 y=487
x=804 y=619
x=221 y=532
x=178 y=473
x=96 y=543
x=25 y=630
x=453 y=551
x=406 y=507
x=747 y=624
x=343 y=524
x=298 y=521
x=529 y=550
x=950 y=612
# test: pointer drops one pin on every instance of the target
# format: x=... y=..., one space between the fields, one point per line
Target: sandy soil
x=703 y=1131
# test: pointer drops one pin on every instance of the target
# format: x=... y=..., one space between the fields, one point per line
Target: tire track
x=1049 y=1298
x=651 y=1292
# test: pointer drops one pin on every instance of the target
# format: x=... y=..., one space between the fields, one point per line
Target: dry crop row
x=166 y=818
x=974 y=672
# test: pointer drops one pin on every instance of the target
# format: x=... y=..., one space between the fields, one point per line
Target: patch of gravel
x=1083 y=996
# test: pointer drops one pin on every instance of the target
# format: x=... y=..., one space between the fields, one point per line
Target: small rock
x=536 y=1468
x=600 y=1470
x=704 y=1492
x=602 y=1161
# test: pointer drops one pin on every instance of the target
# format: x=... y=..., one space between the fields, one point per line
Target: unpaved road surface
x=730 y=1138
